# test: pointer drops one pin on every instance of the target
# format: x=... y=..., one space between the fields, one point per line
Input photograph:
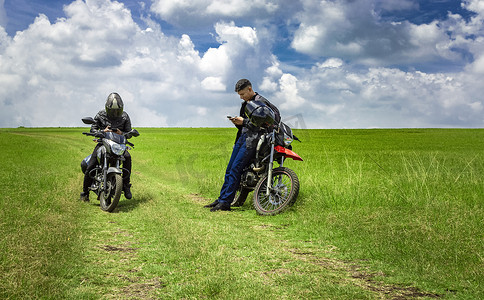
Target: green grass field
x=381 y=214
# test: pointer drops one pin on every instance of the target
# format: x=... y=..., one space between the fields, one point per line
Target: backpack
x=284 y=135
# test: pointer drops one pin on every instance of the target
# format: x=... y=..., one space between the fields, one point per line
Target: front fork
x=105 y=173
x=271 y=163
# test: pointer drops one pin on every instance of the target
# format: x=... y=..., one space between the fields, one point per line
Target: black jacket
x=102 y=121
x=253 y=132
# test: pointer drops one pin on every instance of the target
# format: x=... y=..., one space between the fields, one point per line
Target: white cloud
x=187 y=53
x=356 y=31
x=289 y=92
x=384 y=97
x=478 y=65
x=78 y=61
x=196 y=13
x=238 y=8
x=166 y=80
x=228 y=32
x=230 y=58
x=213 y=84
x=331 y=63
x=98 y=48
x=476 y=6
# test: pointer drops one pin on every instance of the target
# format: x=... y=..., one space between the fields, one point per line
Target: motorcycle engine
x=250 y=179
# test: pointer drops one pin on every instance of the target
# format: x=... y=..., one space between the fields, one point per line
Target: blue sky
x=325 y=64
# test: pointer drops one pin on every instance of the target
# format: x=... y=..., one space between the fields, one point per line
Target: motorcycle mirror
x=134 y=132
x=88 y=120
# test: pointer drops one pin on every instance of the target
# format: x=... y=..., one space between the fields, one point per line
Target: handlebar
x=98 y=134
x=101 y=135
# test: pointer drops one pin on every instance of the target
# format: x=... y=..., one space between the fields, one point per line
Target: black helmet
x=114 y=105
x=259 y=114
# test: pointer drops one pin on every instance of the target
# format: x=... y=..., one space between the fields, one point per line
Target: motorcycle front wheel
x=110 y=200
x=282 y=194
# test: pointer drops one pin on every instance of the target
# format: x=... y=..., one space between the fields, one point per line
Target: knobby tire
x=109 y=202
x=240 y=197
x=284 y=193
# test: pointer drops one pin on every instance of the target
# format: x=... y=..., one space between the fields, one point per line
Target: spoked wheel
x=110 y=200
x=282 y=194
x=240 y=197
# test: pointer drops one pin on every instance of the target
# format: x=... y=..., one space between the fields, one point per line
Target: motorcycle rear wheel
x=240 y=197
x=282 y=195
x=115 y=187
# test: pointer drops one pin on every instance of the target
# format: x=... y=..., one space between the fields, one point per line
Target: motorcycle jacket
x=102 y=120
x=253 y=132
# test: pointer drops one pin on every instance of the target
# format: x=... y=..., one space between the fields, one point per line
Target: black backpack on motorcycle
x=284 y=135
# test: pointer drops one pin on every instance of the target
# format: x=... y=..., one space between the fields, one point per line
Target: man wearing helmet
x=245 y=143
x=111 y=117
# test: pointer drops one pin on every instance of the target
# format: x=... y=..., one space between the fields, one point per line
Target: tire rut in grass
x=350 y=272
x=354 y=273
x=122 y=253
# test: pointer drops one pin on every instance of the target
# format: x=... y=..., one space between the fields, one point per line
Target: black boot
x=213 y=204
x=221 y=206
x=127 y=191
x=85 y=196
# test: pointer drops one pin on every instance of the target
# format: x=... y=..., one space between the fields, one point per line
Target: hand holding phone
x=236 y=120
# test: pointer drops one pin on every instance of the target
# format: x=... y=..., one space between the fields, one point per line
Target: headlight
x=116 y=148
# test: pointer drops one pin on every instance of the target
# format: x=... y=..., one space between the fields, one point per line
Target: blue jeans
x=240 y=158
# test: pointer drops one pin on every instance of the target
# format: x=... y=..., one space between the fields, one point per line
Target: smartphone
x=229 y=117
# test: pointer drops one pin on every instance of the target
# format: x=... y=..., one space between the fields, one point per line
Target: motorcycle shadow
x=244 y=207
x=126 y=205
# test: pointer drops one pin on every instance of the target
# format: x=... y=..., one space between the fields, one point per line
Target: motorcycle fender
x=84 y=163
x=100 y=153
x=114 y=170
x=288 y=153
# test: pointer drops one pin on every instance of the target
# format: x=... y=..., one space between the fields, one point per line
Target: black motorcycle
x=275 y=189
x=107 y=175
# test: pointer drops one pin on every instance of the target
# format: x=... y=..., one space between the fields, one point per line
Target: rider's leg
x=127 y=176
x=87 y=179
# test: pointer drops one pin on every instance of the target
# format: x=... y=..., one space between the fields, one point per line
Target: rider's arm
x=126 y=125
x=98 y=125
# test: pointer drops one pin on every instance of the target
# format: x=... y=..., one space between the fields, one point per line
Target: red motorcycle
x=275 y=189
